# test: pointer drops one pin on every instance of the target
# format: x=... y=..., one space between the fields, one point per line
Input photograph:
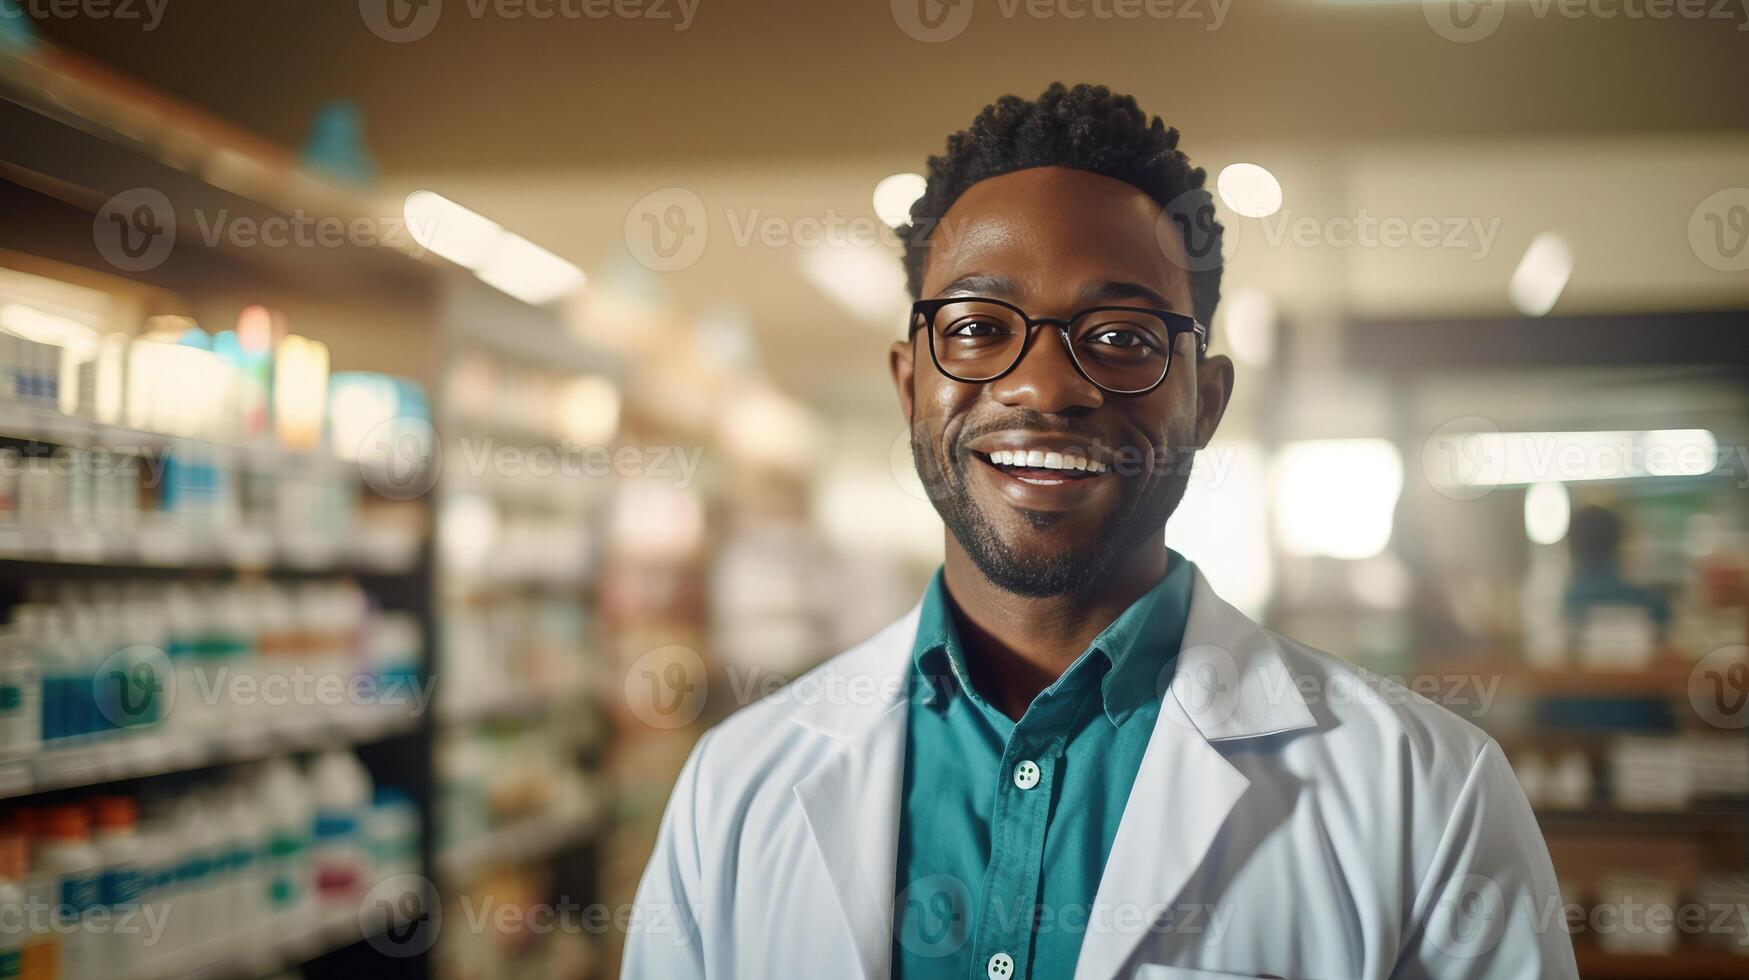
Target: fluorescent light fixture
x=894 y=195
x=1249 y=190
x=1496 y=459
x=1547 y=508
x=866 y=282
x=462 y=236
x=78 y=339
x=530 y=273
x=502 y=259
x=1541 y=275
x=1337 y=497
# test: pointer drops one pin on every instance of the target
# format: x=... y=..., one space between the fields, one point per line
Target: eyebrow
x=1101 y=293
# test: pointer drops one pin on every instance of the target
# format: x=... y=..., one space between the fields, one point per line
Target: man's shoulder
x=786 y=731
x=1393 y=716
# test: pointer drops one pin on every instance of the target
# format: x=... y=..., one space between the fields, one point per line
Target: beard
x=1140 y=517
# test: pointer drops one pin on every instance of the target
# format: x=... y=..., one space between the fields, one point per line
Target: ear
x=901 y=361
x=1214 y=389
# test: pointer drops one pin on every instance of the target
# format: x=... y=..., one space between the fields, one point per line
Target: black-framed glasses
x=1124 y=350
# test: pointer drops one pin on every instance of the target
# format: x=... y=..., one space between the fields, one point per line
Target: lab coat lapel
x=1229 y=682
x=851 y=800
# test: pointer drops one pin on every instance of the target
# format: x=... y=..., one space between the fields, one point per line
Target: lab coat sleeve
x=1488 y=905
x=664 y=941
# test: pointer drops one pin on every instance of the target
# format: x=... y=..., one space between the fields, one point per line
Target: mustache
x=1025 y=420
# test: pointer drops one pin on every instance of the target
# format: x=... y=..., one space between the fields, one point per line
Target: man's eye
x=975 y=328
x=1119 y=338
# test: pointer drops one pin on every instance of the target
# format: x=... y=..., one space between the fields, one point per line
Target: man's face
x=1054 y=241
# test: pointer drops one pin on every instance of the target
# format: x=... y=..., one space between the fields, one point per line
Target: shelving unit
x=75 y=137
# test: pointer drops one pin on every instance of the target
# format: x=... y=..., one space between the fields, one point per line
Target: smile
x=1044 y=467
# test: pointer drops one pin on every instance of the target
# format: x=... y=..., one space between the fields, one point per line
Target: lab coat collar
x=1230 y=683
x=1229 y=677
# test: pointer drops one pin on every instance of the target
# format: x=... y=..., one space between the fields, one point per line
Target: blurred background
x=420 y=420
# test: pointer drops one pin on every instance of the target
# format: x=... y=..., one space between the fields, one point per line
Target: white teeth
x=1045 y=459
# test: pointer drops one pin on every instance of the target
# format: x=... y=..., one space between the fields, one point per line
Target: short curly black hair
x=1090 y=128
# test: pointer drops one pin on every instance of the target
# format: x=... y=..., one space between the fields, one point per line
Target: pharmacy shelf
x=517 y=703
x=1668 y=676
x=272 y=952
x=166 y=546
x=1695 y=819
x=145 y=755
x=1691 y=963
x=50 y=426
x=520 y=841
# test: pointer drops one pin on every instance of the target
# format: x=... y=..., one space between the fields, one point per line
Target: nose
x=1046 y=379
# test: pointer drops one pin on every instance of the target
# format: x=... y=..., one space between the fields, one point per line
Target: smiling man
x=1072 y=758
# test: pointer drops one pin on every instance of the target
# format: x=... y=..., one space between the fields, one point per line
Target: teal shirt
x=1005 y=826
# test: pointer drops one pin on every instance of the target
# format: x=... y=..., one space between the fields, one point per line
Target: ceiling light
x=1541 y=275
x=530 y=273
x=462 y=236
x=894 y=195
x=1249 y=190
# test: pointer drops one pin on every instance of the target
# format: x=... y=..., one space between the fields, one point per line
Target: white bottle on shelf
x=121 y=886
x=342 y=793
x=14 y=906
x=20 y=697
x=287 y=875
x=250 y=842
x=68 y=858
x=198 y=904
x=161 y=850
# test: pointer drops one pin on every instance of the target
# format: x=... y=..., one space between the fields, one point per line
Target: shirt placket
x=1017 y=836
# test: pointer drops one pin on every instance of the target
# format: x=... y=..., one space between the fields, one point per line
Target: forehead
x=1052 y=229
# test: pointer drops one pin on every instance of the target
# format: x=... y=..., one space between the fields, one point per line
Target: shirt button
x=1000 y=967
x=1026 y=774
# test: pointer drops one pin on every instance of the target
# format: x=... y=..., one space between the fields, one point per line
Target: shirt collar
x=1139 y=647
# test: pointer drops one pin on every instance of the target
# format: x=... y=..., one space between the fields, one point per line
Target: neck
x=1017 y=645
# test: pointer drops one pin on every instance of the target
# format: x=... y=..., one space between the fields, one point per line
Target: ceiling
x=1608 y=130
x=492 y=86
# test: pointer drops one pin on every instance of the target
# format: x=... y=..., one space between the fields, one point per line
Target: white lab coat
x=1292 y=817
